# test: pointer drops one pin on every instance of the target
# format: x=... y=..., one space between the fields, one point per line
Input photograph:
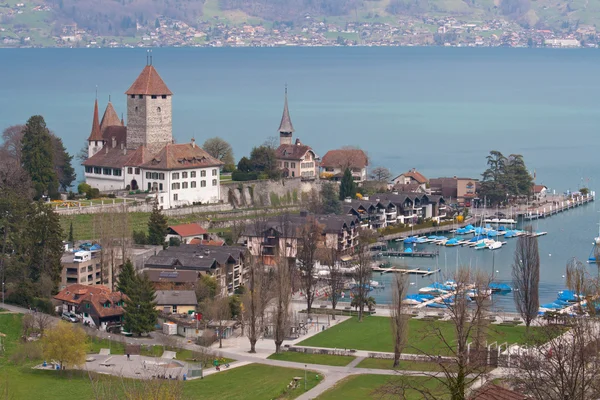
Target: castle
x=142 y=156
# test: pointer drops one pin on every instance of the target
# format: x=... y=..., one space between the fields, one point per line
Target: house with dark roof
x=412 y=206
x=455 y=190
x=412 y=176
x=335 y=162
x=172 y=279
x=225 y=263
x=96 y=306
x=294 y=159
x=176 y=301
x=186 y=232
x=373 y=212
x=142 y=156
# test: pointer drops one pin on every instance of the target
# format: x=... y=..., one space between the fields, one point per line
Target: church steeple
x=95 y=134
x=286 y=129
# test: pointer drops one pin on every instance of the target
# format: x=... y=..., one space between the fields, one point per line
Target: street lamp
x=108 y=344
x=305 y=376
x=2 y=292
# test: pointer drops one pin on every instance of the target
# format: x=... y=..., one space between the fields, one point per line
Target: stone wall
x=142 y=206
x=159 y=130
x=267 y=193
x=136 y=122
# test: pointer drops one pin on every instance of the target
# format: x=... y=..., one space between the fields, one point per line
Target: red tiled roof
x=186 y=230
x=496 y=392
x=96 y=133
x=538 y=188
x=97 y=296
x=115 y=157
x=118 y=132
x=207 y=242
x=416 y=175
x=110 y=118
x=182 y=156
x=345 y=158
x=292 y=151
x=149 y=83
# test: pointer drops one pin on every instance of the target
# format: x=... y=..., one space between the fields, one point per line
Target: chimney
x=206 y=252
x=106 y=149
x=348 y=200
x=124 y=149
x=193 y=142
x=365 y=198
x=298 y=142
x=122 y=145
x=114 y=142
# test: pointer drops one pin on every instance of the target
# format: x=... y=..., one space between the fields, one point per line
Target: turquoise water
x=436 y=109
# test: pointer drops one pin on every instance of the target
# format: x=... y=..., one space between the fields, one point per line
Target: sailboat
x=592 y=256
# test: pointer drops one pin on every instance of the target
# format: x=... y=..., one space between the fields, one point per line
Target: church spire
x=95 y=134
x=286 y=127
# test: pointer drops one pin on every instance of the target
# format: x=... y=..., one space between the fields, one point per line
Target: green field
x=375 y=334
x=361 y=387
x=248 y=382
x=324 y=359
x=380 y=363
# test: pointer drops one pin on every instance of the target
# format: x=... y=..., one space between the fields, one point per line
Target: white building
x=142 y=156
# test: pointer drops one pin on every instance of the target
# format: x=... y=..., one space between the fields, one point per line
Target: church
x=142 y=155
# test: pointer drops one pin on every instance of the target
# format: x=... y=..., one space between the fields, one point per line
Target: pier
x=415 y=271
x=417 y=254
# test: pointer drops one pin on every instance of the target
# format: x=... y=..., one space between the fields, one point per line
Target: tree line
x=505 y=178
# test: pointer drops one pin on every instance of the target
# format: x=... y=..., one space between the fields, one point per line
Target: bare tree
x=255 y=299
x=219 y=149
x=381 y=174
x=309 y=236
x=398 y=318
x=284 y=275
x=335 y=279
x=561 y=364
x=526 y=277
x=42 y=322
x=11 y=142
x=218 y=311
x=362 y=272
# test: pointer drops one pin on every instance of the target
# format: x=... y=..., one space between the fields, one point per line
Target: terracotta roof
x=110 y=118
x=138 y=157
x=345 y=158
x=207 y=242
x=292 y=151
x=115 y=157
x=415 y=175
x=182 y=156
x=149 y=82
x=118 y=132
x=97 y=296
x=186 y=230
x=96 y=133
x=538 y=188
x=496 y=392
x=286 y=123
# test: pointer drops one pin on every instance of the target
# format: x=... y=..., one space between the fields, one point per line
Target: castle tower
x=286 y=129
x=110 y=118
x=149 y=120
x=95 y=141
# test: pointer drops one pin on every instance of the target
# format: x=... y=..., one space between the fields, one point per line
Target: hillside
x=60 y=22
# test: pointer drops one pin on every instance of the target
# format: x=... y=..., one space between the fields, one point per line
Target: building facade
x=335 y=162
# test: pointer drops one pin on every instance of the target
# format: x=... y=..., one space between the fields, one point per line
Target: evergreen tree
x=348 y=186
x=38 y=158
x=127 y=278
x=140 y=312
x=62 y=163
x=157 y=227
x=329 y=197
x=71 y=238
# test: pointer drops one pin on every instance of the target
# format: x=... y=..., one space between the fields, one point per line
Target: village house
x=225 y=263
x=410 y=207
x=459 y=190
x=335 y=162
x=172 y=279
x=187 y=232
x=539 y=192
x=96 y=306
x=373 y=212
x=142 y=155
x=294 y=159
x=411 y=177
x=176 y=301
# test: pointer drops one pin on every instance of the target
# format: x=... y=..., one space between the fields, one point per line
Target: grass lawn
x=360 y=387
x=375 y=334
x=379 y=363
x=325 y=359
x=250 y=382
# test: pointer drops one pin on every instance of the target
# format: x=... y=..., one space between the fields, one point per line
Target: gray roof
x=175 y=276
x=195 y=257
x=176 y=297
x=286 y=123
x=289 y=225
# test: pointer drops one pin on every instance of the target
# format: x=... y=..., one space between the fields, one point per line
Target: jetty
x=441 y=298
x=414 y=271
x=417 y=254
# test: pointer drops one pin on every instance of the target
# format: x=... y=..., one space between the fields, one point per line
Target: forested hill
x=122 y=18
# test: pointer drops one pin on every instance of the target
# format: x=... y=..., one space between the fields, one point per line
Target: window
x=202 y=173
x=97 y=170
x=148 y=175
x=184 y=175
x=140 y=96
x=293 y=165
x=133 y=96
x=87 y=305
x=193 y=174
x=88 y=170
x=175 y=175
x=161 y=199
x=136 y=109
x=149 y=187
x=161 y=176
x=184 y=185
x=106 y=305
x=137 y=171
x=117 y=172
x=86 y=315
x=164 y=96
x=107 y=171
x=175 y=197
x=155 y=175
x=158 y=109
x=286 y=164
x=214 y=172
x=175 y=186
x=214 y=182
x=153 y=96
x=202 y=183
x=174 y=309
x=129 y=170
x=193 y=184
x=160 y=187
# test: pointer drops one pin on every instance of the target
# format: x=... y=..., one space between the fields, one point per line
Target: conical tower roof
x=110 y=118
x=286 y=123
x=96 y=134
x=149 y=83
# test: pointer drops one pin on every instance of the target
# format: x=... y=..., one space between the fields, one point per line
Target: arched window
x=157 y=109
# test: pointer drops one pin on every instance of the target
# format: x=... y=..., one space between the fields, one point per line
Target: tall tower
x=286 y=129
x=149 y=120
x=95 y=141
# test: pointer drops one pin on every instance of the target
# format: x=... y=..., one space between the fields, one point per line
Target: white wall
x=105 y=182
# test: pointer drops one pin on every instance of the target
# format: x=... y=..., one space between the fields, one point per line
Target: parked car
x=69 y=316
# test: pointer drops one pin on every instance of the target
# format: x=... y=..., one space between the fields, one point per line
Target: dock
x=441 y=298
x=417 y=254
x=554 y=208
x=415 y=271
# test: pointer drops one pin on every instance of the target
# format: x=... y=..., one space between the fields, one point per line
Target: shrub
x=92 y=193
x=112 y=196
x=238 y=175
x=139 y=237
x=71 y=196
x=229 y=168
x=174 y=241
x=83 y=188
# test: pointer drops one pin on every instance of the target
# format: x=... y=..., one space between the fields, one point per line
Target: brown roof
x=97 y=296
x=150 y=83
x=496 y=392
x=207 y=242
x=538 y=188
x=110 y=118
x=186 y=230
x=292 y=151
x=182 y=156
x=345 y=158
x=286 y=123
x=118 y=132
x=115 y=157
x=415 y=175
x=410 y=187
x=96 y=133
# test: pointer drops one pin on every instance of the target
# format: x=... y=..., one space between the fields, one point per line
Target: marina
x=415 y=271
